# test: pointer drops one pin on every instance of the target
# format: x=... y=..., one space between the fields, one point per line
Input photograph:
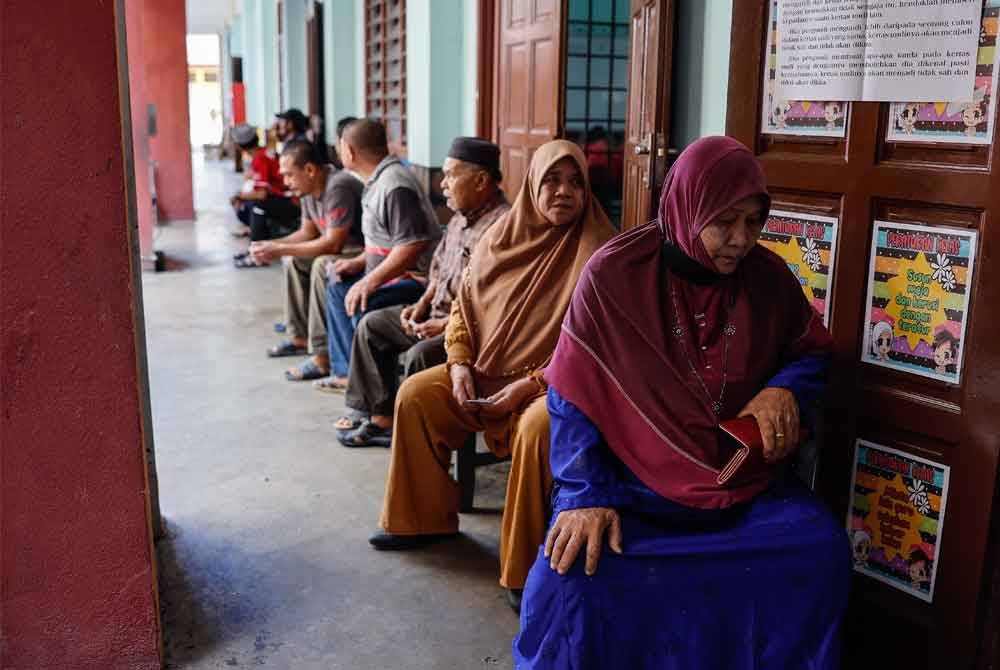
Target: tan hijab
x=522 y=273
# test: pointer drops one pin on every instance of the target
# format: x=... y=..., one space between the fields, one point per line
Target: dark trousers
x=340 y=327
x=378 y=342
x=267 y=217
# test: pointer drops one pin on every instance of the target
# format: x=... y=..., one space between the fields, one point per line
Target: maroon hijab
x=650 y=309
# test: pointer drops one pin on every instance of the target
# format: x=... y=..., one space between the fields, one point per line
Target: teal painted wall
x=471 y=59
x=339 y=58
x=701 y=69
x=295 y=70
x=269 y=57
x=435 y=78
x=237 y=36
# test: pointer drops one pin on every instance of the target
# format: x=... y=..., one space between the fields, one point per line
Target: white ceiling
x=208 y=16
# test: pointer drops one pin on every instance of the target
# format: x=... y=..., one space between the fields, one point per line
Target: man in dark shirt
x=265 y=201
x=331 y=230
x=400 y=231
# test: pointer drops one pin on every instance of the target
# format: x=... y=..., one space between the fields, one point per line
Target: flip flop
x=349 y=422
x=247 y=262
x=330 y=385
x=367 y=435
x=286 y=348
x=307 y=372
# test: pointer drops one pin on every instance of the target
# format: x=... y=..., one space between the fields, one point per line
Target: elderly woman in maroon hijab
x=675 y=327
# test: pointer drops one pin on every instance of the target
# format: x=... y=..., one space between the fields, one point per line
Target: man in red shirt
x=264 y=204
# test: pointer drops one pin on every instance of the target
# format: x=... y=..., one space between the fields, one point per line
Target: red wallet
x=748 y=460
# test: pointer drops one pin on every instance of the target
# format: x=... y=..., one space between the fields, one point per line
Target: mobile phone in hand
x=479 y=401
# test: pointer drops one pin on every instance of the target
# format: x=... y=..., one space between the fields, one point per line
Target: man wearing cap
x=291 y=125
x=265 y=197
x=471 y=185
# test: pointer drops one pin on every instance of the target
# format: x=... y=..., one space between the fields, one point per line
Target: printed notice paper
x=808 y=244
x=919 y=284
x=879 y=50
x=896 y=517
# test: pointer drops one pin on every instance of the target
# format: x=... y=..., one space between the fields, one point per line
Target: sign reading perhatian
x=879 y=50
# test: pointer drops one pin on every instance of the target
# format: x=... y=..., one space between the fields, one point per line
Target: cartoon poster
x=808 y=243
x=796 y=117
x=897 y=517
x=967 y=121
x=918 y=299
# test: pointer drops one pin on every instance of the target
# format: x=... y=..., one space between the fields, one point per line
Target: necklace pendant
x=678 y=331
x=729 y=330
x=717 y=407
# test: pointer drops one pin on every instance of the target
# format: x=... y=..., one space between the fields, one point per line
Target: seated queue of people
x=603 y=367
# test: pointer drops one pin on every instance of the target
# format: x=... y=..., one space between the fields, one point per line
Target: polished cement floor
x=264 y=562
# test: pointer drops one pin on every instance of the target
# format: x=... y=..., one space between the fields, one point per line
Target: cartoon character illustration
x=861 y=545
x=920 y=569
x=881 y=340
x=945 y=352
x=779 y=112
x=973 y=111
x=832 y=112
x=906 y=118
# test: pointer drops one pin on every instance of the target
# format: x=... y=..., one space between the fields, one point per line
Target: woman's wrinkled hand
x=777 y=414
x=584 y=528
x=463 y=384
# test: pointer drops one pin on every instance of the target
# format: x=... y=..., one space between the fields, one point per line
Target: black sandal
x=366 y=435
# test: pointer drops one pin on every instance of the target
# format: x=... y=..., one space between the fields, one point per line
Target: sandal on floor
x=367 y=435
x=247 y=262
x=349 y=421
x=330 y=384
x=286 y=348
x=307 y=372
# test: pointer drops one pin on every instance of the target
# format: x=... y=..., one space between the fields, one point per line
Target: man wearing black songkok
x=471 y=177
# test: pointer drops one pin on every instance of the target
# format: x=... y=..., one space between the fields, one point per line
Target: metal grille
x=385 y=62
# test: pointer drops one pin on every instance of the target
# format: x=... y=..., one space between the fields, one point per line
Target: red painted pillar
x=134 y=11
x=165 y=51
x=77 y=577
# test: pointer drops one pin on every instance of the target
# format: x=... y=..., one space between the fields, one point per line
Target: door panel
x=528 y=77
x=647 y=126
x=860 y=179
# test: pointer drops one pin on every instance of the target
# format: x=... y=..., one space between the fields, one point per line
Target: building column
x=165 y=49
x=294 y=44
x=340 y=39
x=76 y=553
x=437 y=87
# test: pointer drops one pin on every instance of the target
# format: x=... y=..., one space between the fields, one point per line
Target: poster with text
x=896 y=517
x=780 y=116
x=918 y=299
x=967 y=121
x=808 y=243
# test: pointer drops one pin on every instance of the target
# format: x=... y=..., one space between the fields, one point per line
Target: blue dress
x=760 y=586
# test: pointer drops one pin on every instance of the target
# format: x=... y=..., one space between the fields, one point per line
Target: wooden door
x=314 y=60
x=528 y=82
x=860 y=179
x=647 y=125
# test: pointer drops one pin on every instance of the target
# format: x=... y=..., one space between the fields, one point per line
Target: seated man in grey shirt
x=331 y=229
x=400 y=231
x=471 y=184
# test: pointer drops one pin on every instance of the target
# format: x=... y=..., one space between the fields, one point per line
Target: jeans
x=340 y=327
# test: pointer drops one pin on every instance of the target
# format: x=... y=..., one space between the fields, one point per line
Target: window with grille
x=596 y=88
x=385 y=62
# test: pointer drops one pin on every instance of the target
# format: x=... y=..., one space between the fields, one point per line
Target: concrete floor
x=265 y=562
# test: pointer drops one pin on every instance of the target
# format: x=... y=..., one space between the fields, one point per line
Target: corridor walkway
x=265 y=562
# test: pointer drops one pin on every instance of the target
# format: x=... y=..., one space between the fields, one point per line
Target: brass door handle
x=641 y=149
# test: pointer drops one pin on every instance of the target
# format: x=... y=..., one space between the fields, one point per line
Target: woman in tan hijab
x=502 y=331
